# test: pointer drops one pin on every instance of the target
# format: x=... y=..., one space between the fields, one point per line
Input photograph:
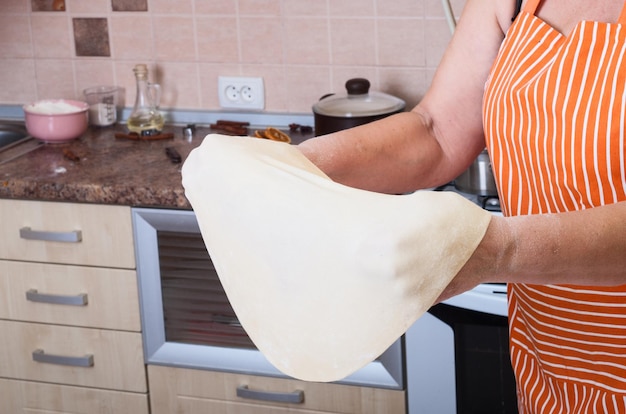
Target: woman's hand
x=585 y=248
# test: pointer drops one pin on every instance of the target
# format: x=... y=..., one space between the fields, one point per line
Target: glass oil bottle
x=145 y=119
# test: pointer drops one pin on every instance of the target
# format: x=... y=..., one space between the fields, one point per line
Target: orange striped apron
x=555 y=119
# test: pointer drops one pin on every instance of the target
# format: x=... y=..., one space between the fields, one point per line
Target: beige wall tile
x=306 y=41
x=401 y=42
x=217 y=39
x=55 y=79
x=171 y=7
x=52 y=36
x=305 y=8
x=439 y=37
x=93 y=72
x=14 y=6
x=261 y=40
x=215 y=7
x=405 y=83
x=305 y=85
x=260 y=7
x=434 y=8
x=179 y=84
x=352 y=8
x=88 y=6
x=15 y=39
x=131 y=36
x=401 y=8
x=353 y=41
x=174 y=38
x=18 y=81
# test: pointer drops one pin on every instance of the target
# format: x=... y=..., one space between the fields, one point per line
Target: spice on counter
x=231 y=127
x=173 y=155
x=69 y=155
x=305 y=129
x=273 y=134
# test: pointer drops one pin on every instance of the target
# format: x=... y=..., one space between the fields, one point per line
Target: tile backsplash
x=302 y=49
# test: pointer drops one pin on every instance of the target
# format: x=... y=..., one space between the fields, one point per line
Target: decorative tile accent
x=91 y=37
x=129 y=5
x=48 y=5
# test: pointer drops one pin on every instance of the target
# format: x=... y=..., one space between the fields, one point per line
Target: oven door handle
x=295 y=397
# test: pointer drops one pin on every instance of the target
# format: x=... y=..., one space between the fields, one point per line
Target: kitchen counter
x=100 y=168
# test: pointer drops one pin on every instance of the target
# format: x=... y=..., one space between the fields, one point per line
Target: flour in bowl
x=53 y=108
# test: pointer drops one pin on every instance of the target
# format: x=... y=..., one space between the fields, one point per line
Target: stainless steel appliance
x=186 y=318
x=478 y=178
x=457 y=354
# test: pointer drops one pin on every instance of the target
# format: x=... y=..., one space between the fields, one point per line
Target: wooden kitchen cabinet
x=105 y=233
x=27 y=397
x=190 y=391
x=70 y=333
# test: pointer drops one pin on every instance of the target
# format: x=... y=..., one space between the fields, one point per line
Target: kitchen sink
x=15 y=141
x=12 y=133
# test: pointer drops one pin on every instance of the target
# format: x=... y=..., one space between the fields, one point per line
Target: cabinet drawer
x=25 y=397
x=85 y=234
x=69 y=295
x=197 y=391
x=73 y=356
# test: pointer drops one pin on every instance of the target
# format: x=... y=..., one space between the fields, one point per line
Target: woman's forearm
x=585 y=247
x=394 y=155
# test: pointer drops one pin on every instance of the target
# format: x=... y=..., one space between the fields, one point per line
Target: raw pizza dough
x=323 y=277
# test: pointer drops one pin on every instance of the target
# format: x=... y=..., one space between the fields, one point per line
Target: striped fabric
x=555 y=119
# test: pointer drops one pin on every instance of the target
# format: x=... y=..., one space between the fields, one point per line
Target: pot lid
x=358 y=102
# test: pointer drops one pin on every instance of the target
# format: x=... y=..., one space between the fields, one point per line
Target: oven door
x=457 y=356
x=187 y=320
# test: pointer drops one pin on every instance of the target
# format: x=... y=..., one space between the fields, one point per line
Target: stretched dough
x=323 y=277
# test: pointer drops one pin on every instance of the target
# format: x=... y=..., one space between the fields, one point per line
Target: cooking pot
x=334 y=112
x=478 y=178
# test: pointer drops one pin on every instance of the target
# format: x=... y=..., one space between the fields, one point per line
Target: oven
x=187 y=320
x=457 y=354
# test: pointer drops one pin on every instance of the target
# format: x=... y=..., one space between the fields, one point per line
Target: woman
x=546 y=94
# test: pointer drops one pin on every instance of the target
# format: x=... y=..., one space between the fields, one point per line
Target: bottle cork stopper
x=140 y=69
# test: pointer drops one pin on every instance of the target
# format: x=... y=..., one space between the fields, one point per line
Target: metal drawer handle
x=295 y=397
x=40 y=356
x=79 y=300
x=75 y=236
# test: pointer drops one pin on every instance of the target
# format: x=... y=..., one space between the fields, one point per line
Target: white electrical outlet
x=241 y=92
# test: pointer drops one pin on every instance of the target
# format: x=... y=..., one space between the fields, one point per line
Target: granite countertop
x=109 y=170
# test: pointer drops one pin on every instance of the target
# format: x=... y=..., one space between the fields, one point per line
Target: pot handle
x=326 y=96
x=358 y=86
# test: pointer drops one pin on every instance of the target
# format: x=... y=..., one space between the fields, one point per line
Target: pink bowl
x=56 y=120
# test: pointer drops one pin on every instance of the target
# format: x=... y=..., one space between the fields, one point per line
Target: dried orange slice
x=277 y=135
